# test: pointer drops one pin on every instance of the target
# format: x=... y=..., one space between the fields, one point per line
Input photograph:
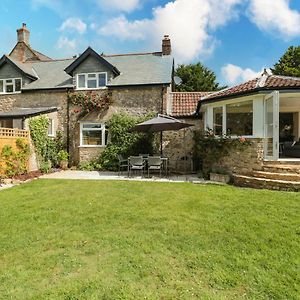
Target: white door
x=271 y=125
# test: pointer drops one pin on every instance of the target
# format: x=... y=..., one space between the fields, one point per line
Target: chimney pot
x=166 y=45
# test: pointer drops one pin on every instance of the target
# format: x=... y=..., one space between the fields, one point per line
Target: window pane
x=1 y=86
x=92 y=137
x=89 y=126
x=92 y=83
x=218 y=120
x=18 y=85
x=50 y=127
x=239 y=118
x=9 y=87
x=102 y=79
x=6 y=123
x=92 y=76
x=81 y=81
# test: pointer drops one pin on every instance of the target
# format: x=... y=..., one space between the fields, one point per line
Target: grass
x=134 y=240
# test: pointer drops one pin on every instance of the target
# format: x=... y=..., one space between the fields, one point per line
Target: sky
x=237 y=39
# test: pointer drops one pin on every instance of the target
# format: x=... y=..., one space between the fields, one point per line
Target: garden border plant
x=210 y=149
x=15 y=162
x=47 y=148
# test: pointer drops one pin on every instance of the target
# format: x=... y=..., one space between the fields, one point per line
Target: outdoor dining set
x=143 y=163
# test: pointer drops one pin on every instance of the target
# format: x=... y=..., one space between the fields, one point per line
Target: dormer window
x=10 y=86
x=91 y=81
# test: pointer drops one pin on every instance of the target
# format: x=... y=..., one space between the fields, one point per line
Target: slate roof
x=263 y=83
x=134 y=69
x=140 y=69
x=184 y=104
x=51 y=75
x=26 y=112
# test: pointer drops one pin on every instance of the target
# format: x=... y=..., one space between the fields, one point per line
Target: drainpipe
x=68 y=125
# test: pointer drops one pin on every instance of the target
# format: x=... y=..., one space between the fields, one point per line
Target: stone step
x=282 y=162
x=277 y=176
x=282 y=168
x=264 y=183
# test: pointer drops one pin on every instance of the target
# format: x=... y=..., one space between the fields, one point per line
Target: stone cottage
x=32 y=83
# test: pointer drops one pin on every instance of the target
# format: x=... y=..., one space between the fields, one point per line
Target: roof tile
x=185 y=103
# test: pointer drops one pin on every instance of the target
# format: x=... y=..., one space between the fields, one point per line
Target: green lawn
x=134 y=240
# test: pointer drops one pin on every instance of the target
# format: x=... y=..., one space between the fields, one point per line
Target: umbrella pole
x=161 y=143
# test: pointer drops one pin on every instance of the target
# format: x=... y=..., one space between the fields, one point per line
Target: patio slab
x=95 y=175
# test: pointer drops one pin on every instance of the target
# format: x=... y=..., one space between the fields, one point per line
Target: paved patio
x=95 y=175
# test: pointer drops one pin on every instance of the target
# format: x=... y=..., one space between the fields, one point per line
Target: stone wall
x=178 y=146
x=133 y=100
x=244 y=161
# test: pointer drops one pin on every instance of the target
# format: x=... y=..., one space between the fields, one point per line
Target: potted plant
x=219 y=175
x=63 y=159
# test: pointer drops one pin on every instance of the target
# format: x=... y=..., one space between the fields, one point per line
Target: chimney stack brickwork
x=23 y=34
x=166 y=45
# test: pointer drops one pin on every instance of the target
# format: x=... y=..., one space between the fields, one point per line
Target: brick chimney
x=23 y=34
x=166 y=45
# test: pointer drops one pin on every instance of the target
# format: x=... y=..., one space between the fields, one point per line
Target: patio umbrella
x=159 y=124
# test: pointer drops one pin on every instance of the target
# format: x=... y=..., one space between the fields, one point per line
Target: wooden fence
x=9 y=136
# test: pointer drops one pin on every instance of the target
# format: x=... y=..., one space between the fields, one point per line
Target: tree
x=289 y=63
x=196 y=78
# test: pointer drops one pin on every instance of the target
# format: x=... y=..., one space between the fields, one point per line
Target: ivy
x=47 y=148
x=15 y=162
x=89 y=101
x=210 y=149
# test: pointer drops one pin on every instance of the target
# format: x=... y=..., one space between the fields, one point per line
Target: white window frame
x=86 y=81
x=51 y=122
x=103 y=132
x=13 y=84
x=223 y=105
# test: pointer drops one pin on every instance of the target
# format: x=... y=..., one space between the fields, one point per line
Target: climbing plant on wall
x=89 y=101
x=46 y=148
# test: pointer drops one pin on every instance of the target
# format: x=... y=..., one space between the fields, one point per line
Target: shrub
x=62 y=155
x=15 y=161
x=211 y=149
x=47 y=148
x=125 y=143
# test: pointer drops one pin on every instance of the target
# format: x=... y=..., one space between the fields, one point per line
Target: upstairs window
x=9 y=86
x=91 y=81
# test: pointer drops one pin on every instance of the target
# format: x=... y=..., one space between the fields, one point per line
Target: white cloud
x=66 y=44
x=189 y=23
x=234 y=74
x=120 y=5
x=73 y=24
x=275 y=16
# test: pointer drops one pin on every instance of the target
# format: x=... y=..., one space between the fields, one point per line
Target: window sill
x=91 y=146
x=10 y=93
x=96 y=89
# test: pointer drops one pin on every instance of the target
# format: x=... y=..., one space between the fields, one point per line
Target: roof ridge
x=285 y=77
x=131 y=54
x=50 y=60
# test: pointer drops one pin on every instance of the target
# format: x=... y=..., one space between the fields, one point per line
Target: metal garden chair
x=155 y=163
x=136 y=163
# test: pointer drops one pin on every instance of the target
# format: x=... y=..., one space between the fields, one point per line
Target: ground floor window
x=236 y=119
x=51 y=131
x=218 y=120
x=93 y=135
x=6 y=123
x=239 y=118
